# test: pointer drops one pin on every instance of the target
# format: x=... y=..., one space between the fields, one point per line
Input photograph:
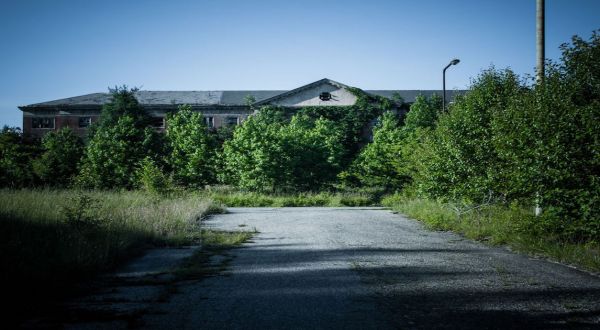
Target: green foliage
x=458 y=161
x=255 y=199
x=62 y=152
x=352 y=121
x=249 y=100
x=423 y=113
x=151 y=178
x=16 y=157
x=550 y=146
x=268 y=156
x=191 y=156
x=51 y=238
x=123 y=103
x=379 y=164
x=120 y=141
x=581 y=68
x=509 y=141
x=112 y=156
x=81 y=213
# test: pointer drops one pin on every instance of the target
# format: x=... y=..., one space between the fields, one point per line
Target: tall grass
x=235 y=198
x=49 y=238
x=498 y=224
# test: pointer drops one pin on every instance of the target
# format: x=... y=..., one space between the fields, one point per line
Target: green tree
x=379 y=163
x=459 y=161
x=550 y=143
x=16 y=155
x=191 y=155
x=423 y=113
x=268 y=155
x=119 y=142
x=112 y=156
x=123 y=103
x=62 y=152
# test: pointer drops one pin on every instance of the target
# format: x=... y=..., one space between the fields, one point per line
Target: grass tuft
x=253 y=199
x=497 y=224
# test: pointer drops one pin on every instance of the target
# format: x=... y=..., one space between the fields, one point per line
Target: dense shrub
x=119 y=142
x=113 y=155
x=550 y=142
x=266 y=155
x=510 y=140
x=151 y=178
x=16 y=155
x=423 y=113
x=385 y=161
x=61 y=153
x=191 y=155
x=379 y=163
x=458 y=160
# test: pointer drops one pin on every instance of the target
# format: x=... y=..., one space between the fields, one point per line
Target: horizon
x=61 y=49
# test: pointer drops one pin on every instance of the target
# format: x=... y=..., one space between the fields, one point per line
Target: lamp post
x=453 y=62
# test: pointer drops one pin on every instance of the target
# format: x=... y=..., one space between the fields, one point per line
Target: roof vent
x=325 y=96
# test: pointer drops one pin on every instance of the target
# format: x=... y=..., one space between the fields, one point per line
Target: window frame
x=228 y=121
x=40 y=126
x=209 y=121
x=87 y=119
x=153 y=120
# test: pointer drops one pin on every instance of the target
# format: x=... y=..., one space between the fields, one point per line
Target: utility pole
x=540 y=54
x=540 y=39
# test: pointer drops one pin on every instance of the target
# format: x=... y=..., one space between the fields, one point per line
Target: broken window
x=157 y=122
x=42 y=122
x=210 y=122
x=85 y=122
x=230 y=121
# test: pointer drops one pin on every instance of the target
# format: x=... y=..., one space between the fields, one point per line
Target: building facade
x=219 y=108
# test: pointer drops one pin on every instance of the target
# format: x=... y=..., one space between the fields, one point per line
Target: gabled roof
x=300 y=89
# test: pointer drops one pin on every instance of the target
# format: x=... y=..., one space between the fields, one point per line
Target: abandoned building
x=218 y=108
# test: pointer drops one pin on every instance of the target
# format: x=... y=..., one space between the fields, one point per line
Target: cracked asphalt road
x=367 y=268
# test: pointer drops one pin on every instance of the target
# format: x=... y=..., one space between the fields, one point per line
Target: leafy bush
x=423 y=113
x=271 y=156
x=113 y=154
x=549 y=142
x=151 y=178
x=511 y=141
x=191 y=156
x=458 y=161
x=62 y=152
x=379 y=163
x=16 y=155
x=119 y=142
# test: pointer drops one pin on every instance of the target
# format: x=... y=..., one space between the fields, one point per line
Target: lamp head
x=455 y=61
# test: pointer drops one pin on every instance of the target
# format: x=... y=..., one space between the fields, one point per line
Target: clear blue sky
x=54 y=49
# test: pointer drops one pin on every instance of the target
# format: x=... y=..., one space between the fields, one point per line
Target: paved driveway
x=367 y=268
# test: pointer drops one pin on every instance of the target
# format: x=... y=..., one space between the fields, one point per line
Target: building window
x=210 y=122
x=42 y=122
x=85 y=122
x=157 y=122
x=325 y=96
x=230 y=121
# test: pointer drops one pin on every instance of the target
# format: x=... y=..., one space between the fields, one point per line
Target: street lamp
x=453 y=62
